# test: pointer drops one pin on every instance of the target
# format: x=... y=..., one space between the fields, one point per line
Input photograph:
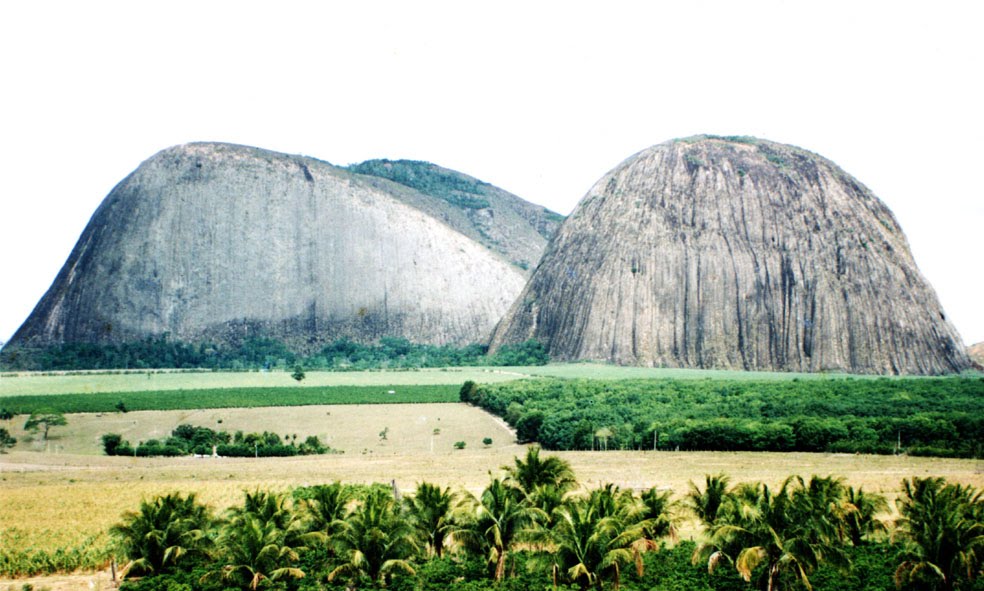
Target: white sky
x=539 y=98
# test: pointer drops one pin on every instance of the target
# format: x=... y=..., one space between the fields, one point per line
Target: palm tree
x=589 y=545
x=861 y=522
x=431 y=512
x=256 y=552
x=942 y=529
x=786 y=532
x=534 y=471
x=500 y=520
x=266 y=506
x=374 y=539
x=546 y=498
x=169 y=531
x=326 y=505
x=653 y=518
x=705 y=503
x=824 y=502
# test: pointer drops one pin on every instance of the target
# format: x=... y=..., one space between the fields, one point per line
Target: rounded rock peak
x=734 y=252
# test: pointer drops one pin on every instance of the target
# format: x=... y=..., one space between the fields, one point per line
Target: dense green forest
x=534 y=528
x=920 y=416
x=264 y=353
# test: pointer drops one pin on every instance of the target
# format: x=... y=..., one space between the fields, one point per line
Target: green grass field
x=21 y=384
x=102 y=402
x=25 y=383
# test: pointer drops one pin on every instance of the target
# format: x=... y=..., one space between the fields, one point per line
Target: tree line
x=918 y=416
x=533 y=528
x=343 y=354
x=188 y=439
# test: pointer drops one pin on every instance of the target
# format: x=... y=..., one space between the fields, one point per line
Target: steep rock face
x=221 y=242
x=734 y=253
x=976 y=353
x=513 y=227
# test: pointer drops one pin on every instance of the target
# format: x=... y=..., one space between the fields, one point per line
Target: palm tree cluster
x=533 y=521
x=778 y=538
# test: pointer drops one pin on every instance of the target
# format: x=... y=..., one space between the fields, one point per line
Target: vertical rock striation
x=734 y=253
x=220 y=242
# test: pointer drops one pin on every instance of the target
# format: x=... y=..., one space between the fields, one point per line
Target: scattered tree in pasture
x=6 y=440
x=298 y=373
x=44 y=420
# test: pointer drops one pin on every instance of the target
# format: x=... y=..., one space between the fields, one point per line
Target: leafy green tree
x=942 y=532
x=6 y=440
x=298 y=373
x=468 y=392
x=167 y=532
x=786 y=533
x=533 y=471
x=374 y=540
x=44 y=420
x=431 y=512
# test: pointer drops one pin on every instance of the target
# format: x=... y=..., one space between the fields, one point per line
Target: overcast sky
x=539 y=98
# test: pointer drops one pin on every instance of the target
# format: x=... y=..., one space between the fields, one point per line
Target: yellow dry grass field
x=410 y=428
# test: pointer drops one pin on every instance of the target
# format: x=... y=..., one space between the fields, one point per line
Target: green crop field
x=231 y=398
x=20 y=384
